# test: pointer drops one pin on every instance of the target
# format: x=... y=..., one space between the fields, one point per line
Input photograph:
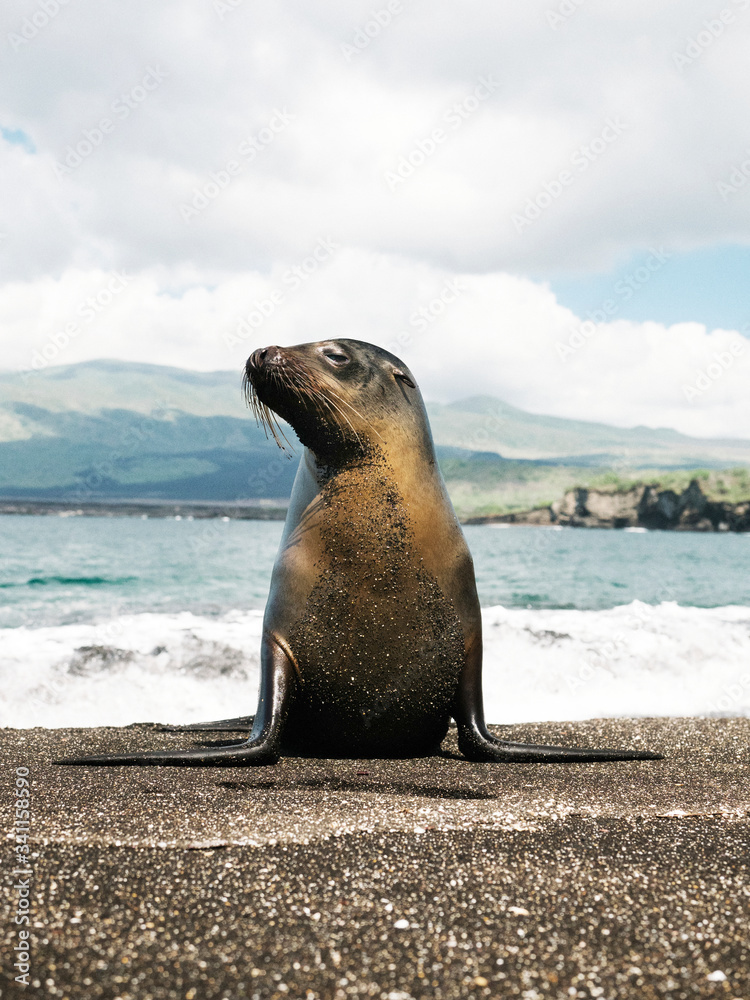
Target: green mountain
x=112 y=429
x=484 y=423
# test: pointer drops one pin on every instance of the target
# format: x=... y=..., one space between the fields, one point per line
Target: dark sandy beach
x=429 y=878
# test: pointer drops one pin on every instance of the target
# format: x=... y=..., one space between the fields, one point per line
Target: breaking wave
x=540 y=665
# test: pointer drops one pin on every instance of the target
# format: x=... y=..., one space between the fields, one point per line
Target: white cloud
x=353 y=119
x=462 y=335
x=224 y=77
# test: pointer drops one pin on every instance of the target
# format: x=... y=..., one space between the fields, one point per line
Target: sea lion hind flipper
x=250 y=753
x=220 y=726
x=277 y=685
x=476 y=742
x=487 y=748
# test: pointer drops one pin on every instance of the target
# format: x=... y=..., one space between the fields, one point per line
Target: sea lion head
x=341 y=397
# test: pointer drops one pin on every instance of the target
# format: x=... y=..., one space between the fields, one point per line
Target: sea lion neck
x=358 y=459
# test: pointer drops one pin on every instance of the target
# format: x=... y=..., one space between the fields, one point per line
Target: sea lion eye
x=336 y=358
x=404 y=377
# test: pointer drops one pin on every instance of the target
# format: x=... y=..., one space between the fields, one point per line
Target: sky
x=547 y=202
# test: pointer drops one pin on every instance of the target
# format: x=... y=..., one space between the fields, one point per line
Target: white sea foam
x=633 y=660
x=135 y=668
x=636 y=660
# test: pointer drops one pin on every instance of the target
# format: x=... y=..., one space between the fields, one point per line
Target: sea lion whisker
x=337 y=409
x=345 y=402
x=310 y=389
x=264 y=416
x=308 y=392
x=317 y=392
x=354 y=410
x=320 y=399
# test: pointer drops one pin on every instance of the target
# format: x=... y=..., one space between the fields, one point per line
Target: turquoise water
x=62 y=570
x=597 y=569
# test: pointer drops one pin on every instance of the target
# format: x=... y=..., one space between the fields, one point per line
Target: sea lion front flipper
x=220 y=726
x=477 y=743
x=277 y=686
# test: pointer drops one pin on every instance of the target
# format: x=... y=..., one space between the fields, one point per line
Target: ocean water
x=108 y=621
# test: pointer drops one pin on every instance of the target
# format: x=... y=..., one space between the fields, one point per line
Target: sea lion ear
x=397 y=373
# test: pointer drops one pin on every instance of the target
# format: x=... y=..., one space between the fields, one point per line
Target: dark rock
x=640 y=506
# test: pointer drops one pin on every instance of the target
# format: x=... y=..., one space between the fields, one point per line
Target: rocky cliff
x=639 y=507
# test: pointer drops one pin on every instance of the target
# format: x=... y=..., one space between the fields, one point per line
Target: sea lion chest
x=378 y=644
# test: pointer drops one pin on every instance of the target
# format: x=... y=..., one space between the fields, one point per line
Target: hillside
x=110 y=429
x=487 y=424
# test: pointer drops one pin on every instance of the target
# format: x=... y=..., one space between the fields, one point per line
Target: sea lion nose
x=264 y=355
x=256 y=359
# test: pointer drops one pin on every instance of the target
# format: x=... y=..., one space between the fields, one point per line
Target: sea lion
x=372 y=636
